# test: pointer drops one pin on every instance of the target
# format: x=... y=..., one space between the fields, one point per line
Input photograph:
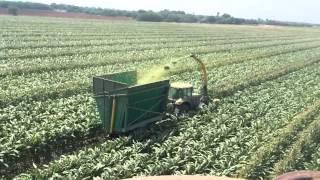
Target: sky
x=284 y=10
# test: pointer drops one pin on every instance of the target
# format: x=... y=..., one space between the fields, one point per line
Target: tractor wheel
x=182 y=108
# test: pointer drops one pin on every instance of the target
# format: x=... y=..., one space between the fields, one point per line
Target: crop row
x=266 y=77
x=40 y=124
x=22 y=24
x=145 y=28
x=108 y=32
x=23 y=66
x=142 y=30
x=61 y=61
x=247 y=74
x=138 y=40
x=57 y=51
x=213 y=60
x=246 y=69
x=123 y=28
x=66 y=83
x=14 y=117
x=152 y=31
x=211 y=143
x=129 y=35
x=169 y=35
x=139 y=28
x=301 y=150
x=138 y=45
x=313 y=163
x=261 y=163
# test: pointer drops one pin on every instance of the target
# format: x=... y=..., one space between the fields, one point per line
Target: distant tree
x=225 y=15
x=178 y=12
x=211 y=19
x=4 y=4
x=13 y=11
x=173 y=18
x=260 y=21
x=142 y=11
x=149 y=16
x=24 y=5
x=189 y=18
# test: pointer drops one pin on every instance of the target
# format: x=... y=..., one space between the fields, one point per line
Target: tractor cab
x=180 y=90
x=181 y=98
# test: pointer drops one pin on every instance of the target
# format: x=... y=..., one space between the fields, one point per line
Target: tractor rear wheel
x=182 y=108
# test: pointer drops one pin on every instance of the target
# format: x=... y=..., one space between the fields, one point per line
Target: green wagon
x=123 y=105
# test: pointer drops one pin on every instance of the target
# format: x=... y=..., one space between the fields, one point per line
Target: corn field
x=267 y=79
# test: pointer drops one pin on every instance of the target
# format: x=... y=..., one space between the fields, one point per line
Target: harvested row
x=230 y=134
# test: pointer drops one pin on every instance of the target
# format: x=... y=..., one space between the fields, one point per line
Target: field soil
x=47 y=13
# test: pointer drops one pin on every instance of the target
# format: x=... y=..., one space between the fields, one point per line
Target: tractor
x=124 y=105
x=181 y=97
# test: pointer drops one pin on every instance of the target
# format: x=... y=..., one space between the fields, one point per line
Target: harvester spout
x=204 y=78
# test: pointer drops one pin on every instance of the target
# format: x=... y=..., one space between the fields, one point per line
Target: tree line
x=143 y=15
